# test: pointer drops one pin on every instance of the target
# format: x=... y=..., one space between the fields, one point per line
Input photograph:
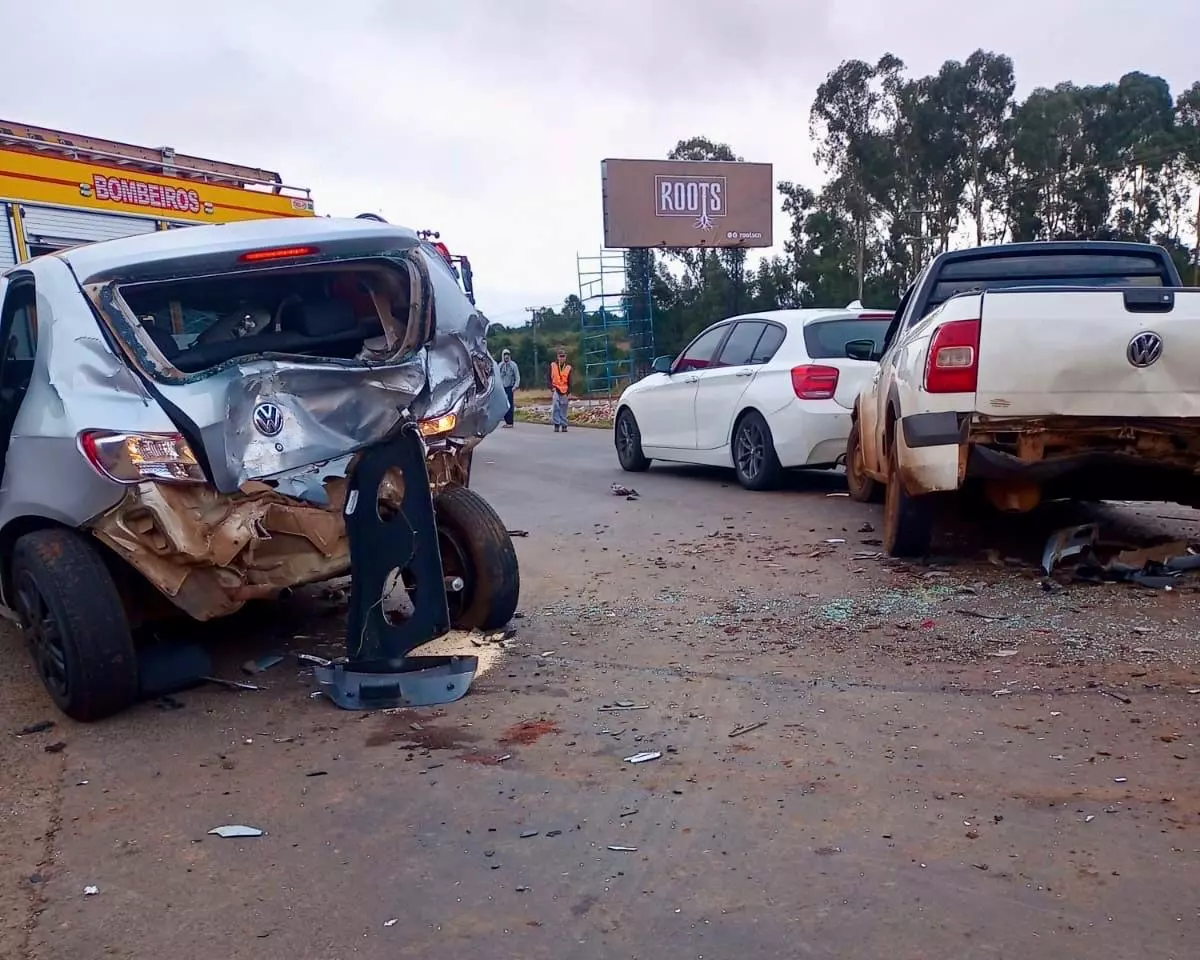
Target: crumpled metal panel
x=210 y=553
x=327 y=413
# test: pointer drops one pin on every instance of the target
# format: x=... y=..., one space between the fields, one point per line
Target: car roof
x=91 y=259
x=803 y=317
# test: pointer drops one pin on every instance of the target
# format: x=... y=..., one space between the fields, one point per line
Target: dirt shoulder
x=951 y=760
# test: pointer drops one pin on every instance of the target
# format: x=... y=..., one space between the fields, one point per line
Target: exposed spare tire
x=476 y=546
x=74 y=623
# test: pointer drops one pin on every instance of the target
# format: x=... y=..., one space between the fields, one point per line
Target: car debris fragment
x=40 y=727
x=262 y=663
x=234 y=830
x=1068 y=542
x=91 y=890
x=231 y=684
x=619 y=849
x=644 y=757
x=738 y=731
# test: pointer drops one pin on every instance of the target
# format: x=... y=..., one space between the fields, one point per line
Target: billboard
x=687 y=203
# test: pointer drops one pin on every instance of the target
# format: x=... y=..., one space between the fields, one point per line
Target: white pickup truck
x=1050 y=370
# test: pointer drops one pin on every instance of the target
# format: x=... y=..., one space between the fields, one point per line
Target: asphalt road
x=954 y=763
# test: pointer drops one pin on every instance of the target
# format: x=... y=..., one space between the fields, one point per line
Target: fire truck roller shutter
x=8 y=250
x=54 y=227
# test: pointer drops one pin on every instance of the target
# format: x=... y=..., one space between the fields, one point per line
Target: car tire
x=862 y=487
x=907 y=520
x=75 y=624
x=628 y=440
x=754 y=459
x=475 y=545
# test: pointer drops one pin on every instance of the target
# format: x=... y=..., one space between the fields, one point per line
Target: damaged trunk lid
x=277 y=352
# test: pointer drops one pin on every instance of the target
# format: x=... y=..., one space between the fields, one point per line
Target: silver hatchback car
x=178 y=414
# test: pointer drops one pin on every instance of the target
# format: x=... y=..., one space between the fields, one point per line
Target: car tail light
x=953 y=365
x=134 y=457
x=278 y=253
x=815 y=382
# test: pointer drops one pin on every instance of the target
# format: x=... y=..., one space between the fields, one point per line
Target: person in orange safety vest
x=560 y=388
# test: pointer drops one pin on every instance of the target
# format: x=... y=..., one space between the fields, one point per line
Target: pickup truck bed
x=1037 y=371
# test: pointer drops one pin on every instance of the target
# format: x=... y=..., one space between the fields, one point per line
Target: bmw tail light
x=814 y=382
x=953 y=364
x=134 y=457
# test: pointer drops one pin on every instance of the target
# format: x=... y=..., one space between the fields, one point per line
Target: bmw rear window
x=827 y=339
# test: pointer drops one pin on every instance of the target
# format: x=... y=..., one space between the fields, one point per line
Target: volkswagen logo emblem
x=1144 y=349
x=268 y=419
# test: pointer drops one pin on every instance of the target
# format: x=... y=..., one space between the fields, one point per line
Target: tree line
x=917 y=165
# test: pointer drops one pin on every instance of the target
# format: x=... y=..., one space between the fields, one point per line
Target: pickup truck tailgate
x=1082 y=353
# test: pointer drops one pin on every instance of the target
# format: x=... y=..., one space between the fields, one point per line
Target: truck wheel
x=907 y=520
x=475 y=546
x=628 y=439
x=75 y=624
x=754 y=458
x=862 y=488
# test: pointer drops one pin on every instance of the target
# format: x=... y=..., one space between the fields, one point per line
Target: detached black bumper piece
x=377 y=671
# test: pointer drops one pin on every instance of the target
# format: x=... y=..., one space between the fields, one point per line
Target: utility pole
x=535 y=314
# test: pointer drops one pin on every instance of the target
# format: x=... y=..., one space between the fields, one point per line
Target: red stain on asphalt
x=529 y=731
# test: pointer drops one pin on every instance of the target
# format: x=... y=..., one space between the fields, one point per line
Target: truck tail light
x=813 y=382
x=134 y=457
x=953 y=364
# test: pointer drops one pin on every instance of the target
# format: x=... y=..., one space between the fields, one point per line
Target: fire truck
x=60 y=189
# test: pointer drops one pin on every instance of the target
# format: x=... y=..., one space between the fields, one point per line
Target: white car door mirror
x=663 y=364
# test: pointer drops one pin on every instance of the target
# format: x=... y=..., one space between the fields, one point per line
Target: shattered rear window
x=324 y=311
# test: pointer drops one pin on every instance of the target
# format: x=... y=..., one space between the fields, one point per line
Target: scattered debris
x=1120 y=779
x=989 y=617
x=236 y=830
x=313 y=659
x=40 y=727
x=1068 y=542
x=1002 y=692
x=834 y=540
x=318 y=773
x=738 y=731
x=57 y=747
x=391 y=923
x=644 y=757
x=628 y=813
x=620 y=490
x=518 y=533
x=90 y=891
x=623 y=705
x=231 y=684
x=1116 y=696
x=554 y=833
x=617 y=849
x=1004 y=653
x=262 y=663
x=528 y=834
x=837 y=494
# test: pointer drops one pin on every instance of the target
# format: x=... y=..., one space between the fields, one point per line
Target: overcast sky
x=488 y=119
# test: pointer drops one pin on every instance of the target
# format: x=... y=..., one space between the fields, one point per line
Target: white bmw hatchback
x=761 y=393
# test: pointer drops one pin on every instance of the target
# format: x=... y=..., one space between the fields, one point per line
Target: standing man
x=510 y=379
x=560 y=387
